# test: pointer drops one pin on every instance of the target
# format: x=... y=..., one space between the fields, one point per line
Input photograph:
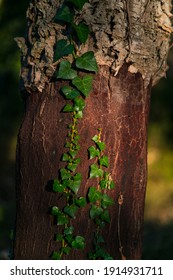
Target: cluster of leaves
x=78 y=31
x=75 y=92
x=98 y=198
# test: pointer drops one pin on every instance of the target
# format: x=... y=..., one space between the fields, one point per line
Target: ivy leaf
x=105 y=216
x=82 y=31
x=101 y=145
x=56 y=256
x=94 y=195
x=64 y=14
x=68 y=230
x=95 y=171
x=65 y=157
x=95 y=138
x=72 y=167
x=93 y=152
x=69 y=238
x=65 y=174
x=95 y=211
x=112 y=185
x=68 y=108
x=62 y=49
x=87 y=62
x=65 y=72
x=78 y=243
x=104 y=184
x=104 y=161
x=74 y=184
x=106 y=201
x=79 y=115
x=79 y=3
x=83 y=84
x=73 y=153
x=71 y=210
x=66 y=250
x=57 y=186
x=81 y=201
x=55 y=211
x=62 y=219
x=69 y=92
x=59 y=237
x=79 y=104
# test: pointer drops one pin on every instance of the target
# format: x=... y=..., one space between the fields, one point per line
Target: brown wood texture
x=120 y=106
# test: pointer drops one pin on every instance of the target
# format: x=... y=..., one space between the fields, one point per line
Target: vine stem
x=120 y=202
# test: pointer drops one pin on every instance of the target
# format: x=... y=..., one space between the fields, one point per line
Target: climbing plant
x=78 y=72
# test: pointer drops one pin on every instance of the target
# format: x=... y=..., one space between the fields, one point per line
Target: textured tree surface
x=131 y=42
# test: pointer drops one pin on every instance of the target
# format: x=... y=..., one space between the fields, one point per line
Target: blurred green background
x=158 y=227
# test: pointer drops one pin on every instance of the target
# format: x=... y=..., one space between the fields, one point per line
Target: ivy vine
x=98 y=197
x=68 y=182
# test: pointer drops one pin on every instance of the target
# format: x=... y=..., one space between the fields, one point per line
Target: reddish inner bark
x=120 y=106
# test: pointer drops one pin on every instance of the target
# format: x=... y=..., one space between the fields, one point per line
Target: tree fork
x=131 y=44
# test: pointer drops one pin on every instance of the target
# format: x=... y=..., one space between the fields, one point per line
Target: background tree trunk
x=131 y=42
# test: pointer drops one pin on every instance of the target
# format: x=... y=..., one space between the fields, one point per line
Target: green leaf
x=104 y=184
x=67 y=144
x=65 y=157
x=65 y=174
x=95 y=211
x=62 y=49
x=83 y=84
x=69 y=230
x=73 y=153
x=79 y=115
x=93 y=152
x=81 y=201
x=101 y=145
x=59 y=237
x=72 y=167
x=55 y=211
x=74 y=184
x=82 y=31
x=79 y=104
x=87 y=62
x=68 y=108
x=95 y=138
x=65 y=72
x=71 y=210
x=66 y=250
x=112 y=185
x=104 y=161
x=69 y=92
x=94 y=195
x=95 y=171
x=62 y=219
x=56 y=256
x=77 y=160
x=79 y=3
x=105 y=216
x=106 y=201
x=69 y=238
x=64 y=14
x=57 y=186
x=78 y=243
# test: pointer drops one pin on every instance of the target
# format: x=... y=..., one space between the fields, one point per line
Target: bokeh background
x=158 y=227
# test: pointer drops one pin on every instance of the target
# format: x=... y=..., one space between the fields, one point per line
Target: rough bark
x=131 y=41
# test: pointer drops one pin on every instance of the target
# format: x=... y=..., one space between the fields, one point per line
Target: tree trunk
x=131 y=42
